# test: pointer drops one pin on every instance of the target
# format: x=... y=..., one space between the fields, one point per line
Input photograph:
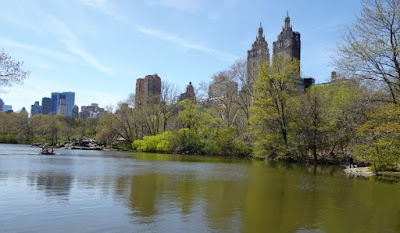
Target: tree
x=10 y=71
x=326 y=117
x=224 y=89
x=381 y=138
x=270 y=115
x=371 y=47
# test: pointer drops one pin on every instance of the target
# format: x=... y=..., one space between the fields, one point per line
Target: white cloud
x=105 y=6
x=4 y=42
x=73 y=45
x=186 y=44
x=189 y=6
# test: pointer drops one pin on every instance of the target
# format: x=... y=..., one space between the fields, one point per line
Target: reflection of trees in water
x=155 y=194
x=309 y=198
x=145 y=190
x=53 y=184
x=224 y=204
x=186 y=189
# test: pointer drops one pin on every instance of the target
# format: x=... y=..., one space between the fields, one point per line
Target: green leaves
x=381 y=138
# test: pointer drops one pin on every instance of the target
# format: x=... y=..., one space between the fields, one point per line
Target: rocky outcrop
x=84 y=143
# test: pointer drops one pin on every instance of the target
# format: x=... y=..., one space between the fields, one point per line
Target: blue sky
x=98 y=48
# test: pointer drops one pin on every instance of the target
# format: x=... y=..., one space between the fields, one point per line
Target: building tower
x=69 y=102
x=62 y=101
x=75 y=111
x=36 y=108
x=1 y=105
x=55 y=101
x=46 y=106
x=148 y=90
x=257 y=55
x=189 y=94
x=288 y=41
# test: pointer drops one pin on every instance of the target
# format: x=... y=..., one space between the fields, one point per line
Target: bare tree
x=371 y=47
x=10 y=71
x=223 y=92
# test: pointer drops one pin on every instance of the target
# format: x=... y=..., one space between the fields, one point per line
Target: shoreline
x=359 y=171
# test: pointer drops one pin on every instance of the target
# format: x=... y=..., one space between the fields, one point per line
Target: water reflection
x=53 y=184
x=165 y=193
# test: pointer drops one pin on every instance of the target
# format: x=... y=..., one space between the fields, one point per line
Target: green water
x=95 y=191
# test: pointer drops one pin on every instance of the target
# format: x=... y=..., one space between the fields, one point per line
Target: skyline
x=98 y=48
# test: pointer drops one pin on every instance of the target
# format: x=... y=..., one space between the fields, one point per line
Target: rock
x=84 y=143
x=359 y=171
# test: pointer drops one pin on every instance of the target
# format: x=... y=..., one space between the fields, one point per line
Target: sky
x=98 y=48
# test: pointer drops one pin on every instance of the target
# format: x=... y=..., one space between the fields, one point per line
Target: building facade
x=148 y=90
x=36 y=108
x=189 y=94
x=92 y=110
x=75 y=111
x=288 y=41
x=55 y=101
x=46 y=106
x=62 y=103
x=222 y=87
x=1 y=104
x=257 y=55
x=7 y=108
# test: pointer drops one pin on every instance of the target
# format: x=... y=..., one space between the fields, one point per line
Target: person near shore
x=351 y=161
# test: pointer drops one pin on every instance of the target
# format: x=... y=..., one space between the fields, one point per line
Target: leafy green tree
x=326 y=116
x=380 y=135
x=270 y=116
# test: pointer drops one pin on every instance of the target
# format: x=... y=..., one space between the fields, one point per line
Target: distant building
x=75 y=111
x=7 y=108
x=222 y=87
x=148 y=90
x=62 y=107
x=189 y=94
x=55 y=101
x=36 y=108
x=308 y=82
x=69 y=101
x=23 y=110
x=288 y=41
x=62 y=103
x=92 y=110
x=1 y=104
x=46 y=106
x=256 y=56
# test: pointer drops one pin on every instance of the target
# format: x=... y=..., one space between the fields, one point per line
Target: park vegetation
x=355 y=113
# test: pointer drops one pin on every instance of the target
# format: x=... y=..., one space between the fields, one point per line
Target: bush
x=158 y=143
x=7 y=138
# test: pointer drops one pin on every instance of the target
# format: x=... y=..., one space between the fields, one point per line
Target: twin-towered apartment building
x=288 y=43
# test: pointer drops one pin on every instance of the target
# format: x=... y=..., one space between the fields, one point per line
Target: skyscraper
x=288 y=41
x=75 y=111
x=36 y=108
x=257 y=55
x=1 y=104
x=55 y=101
x=62 y=107
x=46 y=106
x=62 y=101
x=148 y=90
x=69 y=101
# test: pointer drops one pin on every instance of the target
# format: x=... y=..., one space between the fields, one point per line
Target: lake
x=100 y=191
